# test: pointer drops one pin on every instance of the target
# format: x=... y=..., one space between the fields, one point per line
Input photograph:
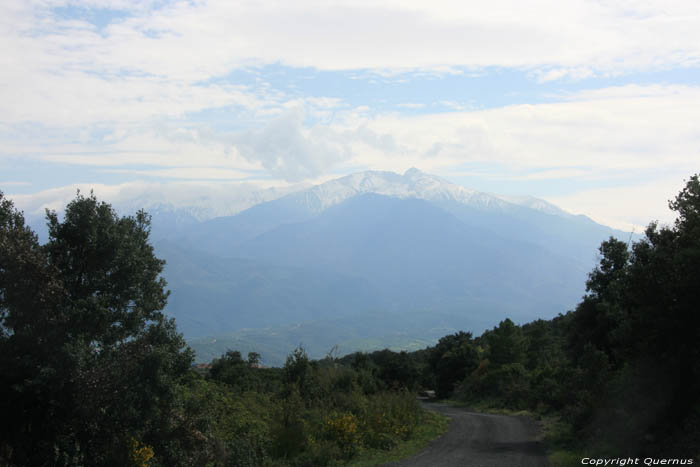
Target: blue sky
x=591 y=105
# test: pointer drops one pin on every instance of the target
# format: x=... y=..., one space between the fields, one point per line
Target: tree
x=236 y=372
x=506 y=344
x=29 y=294
x=606 y=282
x=637 y=330
x=298 y=373
x=452 y=359
x=664 y=294
x=90 y=364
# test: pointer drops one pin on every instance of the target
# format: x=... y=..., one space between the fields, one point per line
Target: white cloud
x=120 y=97
x=192 y=41
x=286 y=149
x=411 y=105
x=156 y=62
x=630 y=207
x=609 y=136
x=575 y=73
x=205 y=200
x=530 y=175
x=163 y=147
x=603 y=134
x=77 y=98
x=188 y=173
x=617 y=129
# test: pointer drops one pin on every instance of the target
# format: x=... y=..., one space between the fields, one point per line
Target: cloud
x=530 y=175
x=162 y=60
x=79 y=98
x=192 y=41
x=204 y=200
x=165 y=147
x=411 y=105
x=286 y=149
x=630 y=207
x=629 y=128
x=609 y=130
x=620 y=152
x=137 y=93
x=187 y=173
x=575 y=73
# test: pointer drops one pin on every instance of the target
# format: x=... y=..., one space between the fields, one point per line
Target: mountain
x=213 y=295
x=398 y=250
x=421 y=256
x=221 y=234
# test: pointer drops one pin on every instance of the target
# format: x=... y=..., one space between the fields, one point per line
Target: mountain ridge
x=373 y=245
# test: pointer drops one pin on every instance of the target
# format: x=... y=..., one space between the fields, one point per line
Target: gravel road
x=476 y=439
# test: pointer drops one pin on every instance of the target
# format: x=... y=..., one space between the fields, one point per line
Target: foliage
x=89 y=362
x=140 y=454
x=453 y=358
x=430 y=426
x=94 y=373
x=324 y=413
x=244 y=375
x=623 y=368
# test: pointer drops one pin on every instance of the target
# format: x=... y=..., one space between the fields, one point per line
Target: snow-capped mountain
x=173 y=206
x=412 y=184
x=379 y=242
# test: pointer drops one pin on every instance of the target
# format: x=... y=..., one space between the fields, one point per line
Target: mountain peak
x=414 y=183
x=413 y=173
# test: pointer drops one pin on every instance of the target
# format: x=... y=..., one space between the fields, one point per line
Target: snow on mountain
x=535 y=203
x=413 y=184
x=186 y=203
x=202 y=202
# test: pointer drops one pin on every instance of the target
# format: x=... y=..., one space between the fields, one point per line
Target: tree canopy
x=90 y=364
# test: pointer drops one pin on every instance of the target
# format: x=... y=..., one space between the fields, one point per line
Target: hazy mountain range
x=373 y=259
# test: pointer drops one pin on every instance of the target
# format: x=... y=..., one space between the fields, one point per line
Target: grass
x=432 y=426
x=563 y=458
x=559 y=437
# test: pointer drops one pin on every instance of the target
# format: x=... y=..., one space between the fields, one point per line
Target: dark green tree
x=633 y=339
x=244 y=375
x=396 y=369
x=452 y=359
x=506 y=344
x=90 y=365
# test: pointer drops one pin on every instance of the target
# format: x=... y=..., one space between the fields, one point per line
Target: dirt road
x=483 y=440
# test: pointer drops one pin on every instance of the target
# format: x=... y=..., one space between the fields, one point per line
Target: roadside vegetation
x=93 y=373
x=619 y=375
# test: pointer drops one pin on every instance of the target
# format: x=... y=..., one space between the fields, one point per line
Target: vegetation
x=90 y=365
x=94 y=374
x=619 y=375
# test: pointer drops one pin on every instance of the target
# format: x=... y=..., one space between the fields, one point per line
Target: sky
x=593 y=105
